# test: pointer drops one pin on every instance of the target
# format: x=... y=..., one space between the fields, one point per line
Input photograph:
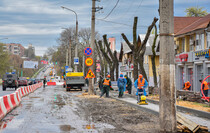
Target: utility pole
x=167 y=103
x=76 y=48
x=92 y=45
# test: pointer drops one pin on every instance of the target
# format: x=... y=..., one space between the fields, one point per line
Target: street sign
x=89 y=62
x=88 y=51
x=66 y=67
x=90 y=74
x=69 y=70
x=76 y=60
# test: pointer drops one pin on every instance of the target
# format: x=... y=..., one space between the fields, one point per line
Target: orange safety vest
x=106 y=82
x=186 y=86
x=206 y=87
x=141 y=83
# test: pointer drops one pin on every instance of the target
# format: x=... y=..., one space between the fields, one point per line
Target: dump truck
x=74 y=80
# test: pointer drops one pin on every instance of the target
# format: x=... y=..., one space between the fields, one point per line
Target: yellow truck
x=74 y=80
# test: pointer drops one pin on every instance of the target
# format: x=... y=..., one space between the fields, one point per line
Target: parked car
x=37 y=81
x=23 y=81
x=31 y=81
x=9 y=80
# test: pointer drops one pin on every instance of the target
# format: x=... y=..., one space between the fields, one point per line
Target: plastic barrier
x=51 y=83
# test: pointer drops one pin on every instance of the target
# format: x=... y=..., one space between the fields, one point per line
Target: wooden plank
x=192 y=126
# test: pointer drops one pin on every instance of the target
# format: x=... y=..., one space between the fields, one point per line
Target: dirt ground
x=124 y=118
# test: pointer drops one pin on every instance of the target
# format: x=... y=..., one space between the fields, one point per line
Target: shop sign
x=203 y=54
x=183 y=57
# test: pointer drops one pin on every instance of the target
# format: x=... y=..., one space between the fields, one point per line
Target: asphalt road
x=11 y=90
x=48 y=110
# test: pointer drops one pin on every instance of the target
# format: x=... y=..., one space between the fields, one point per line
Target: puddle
x=65 y=128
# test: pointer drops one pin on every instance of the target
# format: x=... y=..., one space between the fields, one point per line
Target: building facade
x=112 y=42
x=192 y=44
x=14 y=48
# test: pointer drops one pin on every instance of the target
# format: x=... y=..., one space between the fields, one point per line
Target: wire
x=113 y=22
x=111 y=10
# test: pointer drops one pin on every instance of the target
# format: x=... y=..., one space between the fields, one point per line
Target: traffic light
x=56 y=62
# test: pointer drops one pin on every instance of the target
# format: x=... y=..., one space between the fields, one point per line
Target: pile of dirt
x=123 y=117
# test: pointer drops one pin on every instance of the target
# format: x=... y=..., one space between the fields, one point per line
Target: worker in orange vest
x=205 y=87
x=106 y=86
x=187 y=86
x=140 y=84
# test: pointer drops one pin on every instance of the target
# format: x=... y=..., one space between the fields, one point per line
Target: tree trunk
x=116 y=65
x=154 y=71
x=141 y=65
x=135 y=50
x=112 y=72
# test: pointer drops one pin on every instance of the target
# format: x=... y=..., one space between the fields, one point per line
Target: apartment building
x=14 y=48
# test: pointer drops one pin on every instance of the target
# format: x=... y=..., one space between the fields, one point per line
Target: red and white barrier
x=9 y=102
x=51 y=83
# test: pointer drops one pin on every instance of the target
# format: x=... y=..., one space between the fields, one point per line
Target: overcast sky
x=39 y=22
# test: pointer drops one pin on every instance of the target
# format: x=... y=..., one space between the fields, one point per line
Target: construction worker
x=100 y=84
x=121 y=83
x=140 y=84
x=187 y=86
x=106 y=86
x=129 y=84
x=205 y=87
x=44 y=81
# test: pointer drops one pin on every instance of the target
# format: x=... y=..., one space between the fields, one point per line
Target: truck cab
x=74 y=80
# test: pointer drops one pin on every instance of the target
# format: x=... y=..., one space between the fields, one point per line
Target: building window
x=208 y=40
x=192 y=43
x=183 y=44
x=199 y=41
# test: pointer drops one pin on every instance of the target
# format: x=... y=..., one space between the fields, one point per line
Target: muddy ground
x=124 y=118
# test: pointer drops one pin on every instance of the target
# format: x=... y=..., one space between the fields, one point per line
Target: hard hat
x=108 y=76
x=188 y=82
x=140 y=75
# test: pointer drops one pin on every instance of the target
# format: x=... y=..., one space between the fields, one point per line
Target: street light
x=76 y=53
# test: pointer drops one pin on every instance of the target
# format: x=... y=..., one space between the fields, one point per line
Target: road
x=53 y=110
x=11 y=90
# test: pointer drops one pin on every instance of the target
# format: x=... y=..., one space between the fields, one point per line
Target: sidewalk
x=154 y=108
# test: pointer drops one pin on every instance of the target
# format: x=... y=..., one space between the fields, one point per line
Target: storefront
x=184 y=69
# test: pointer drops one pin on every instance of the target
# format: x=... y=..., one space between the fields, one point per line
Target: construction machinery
x=142 y=99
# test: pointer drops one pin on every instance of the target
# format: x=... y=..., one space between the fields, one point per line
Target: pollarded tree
x=139 y=47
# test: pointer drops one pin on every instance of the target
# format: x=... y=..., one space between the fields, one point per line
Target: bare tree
x=107 y=58
x=138 y=47
x=153 y=60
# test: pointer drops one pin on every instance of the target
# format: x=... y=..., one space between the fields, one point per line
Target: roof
x=190 y=24
x=149 y=43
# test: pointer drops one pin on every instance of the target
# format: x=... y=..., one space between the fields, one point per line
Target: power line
x=119 y=23
x=112 y=10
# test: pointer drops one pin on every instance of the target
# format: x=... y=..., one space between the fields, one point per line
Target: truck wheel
x=4 y=88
